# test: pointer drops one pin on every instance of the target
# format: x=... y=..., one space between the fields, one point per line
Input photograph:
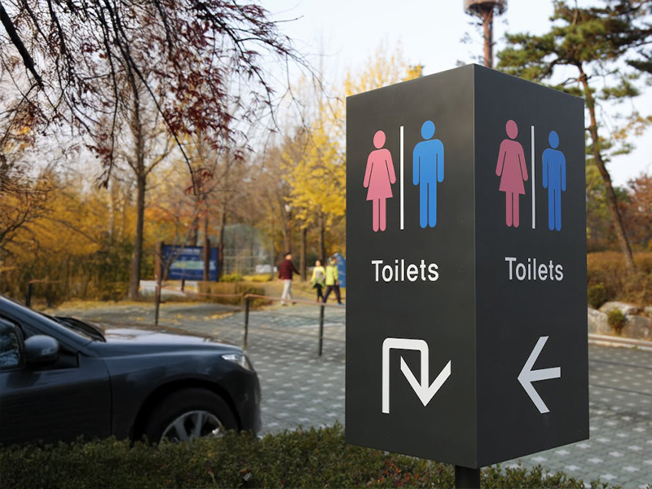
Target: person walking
x=318 y=280
x=285 y=272
x=332 y=281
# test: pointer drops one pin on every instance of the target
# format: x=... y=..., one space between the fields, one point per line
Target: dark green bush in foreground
x=315 y=458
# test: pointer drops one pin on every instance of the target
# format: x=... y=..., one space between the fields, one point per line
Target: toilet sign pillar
x=466 y=263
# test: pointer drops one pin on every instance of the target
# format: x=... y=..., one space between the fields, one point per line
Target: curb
x=606 y=340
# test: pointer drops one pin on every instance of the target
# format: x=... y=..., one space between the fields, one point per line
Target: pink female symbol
x=512 y=170
x=378 y=178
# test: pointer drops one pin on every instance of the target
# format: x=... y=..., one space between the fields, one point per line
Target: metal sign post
x=466 y=478
x=466 y=262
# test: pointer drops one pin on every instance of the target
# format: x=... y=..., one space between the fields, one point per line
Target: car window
x=9 y=346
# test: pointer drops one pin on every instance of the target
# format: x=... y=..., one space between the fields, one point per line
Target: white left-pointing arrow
x=527 y=375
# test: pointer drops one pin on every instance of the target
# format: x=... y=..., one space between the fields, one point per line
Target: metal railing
x=246 y=301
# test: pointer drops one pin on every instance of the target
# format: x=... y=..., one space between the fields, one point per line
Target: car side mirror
x=41 y=350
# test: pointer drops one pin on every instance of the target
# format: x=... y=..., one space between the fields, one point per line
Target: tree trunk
x=138 y=166
x=194 y=236
x=302 y=263
x=207 y=250
x=127 y=195
x=612 y=203
x=220 y=245
x=134 y=281
x=273 y=257
x=113 y=204
x=194 y=226
x=322 y=237
x=288 y=230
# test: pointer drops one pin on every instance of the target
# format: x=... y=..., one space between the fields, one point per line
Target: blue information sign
x=187 y=262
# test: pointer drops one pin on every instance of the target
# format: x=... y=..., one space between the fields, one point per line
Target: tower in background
x=486 y=9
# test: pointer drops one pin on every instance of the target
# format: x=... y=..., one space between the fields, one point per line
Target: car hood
x=155 y=338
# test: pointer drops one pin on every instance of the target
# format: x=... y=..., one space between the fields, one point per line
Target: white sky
x=348 y=32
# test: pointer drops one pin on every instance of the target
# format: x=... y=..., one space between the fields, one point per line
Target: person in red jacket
x=285 y=272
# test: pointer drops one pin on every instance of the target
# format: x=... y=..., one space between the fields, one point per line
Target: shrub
x=245 y=288
x=638 y=289
x=228 y=292
x=234 y=277
x=616 y=320
x=312 y=458
x=266 y=277
x=607 y=269
x=113 y=291
x=597 y=295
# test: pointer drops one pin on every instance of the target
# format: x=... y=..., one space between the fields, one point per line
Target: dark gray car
x=61 y=378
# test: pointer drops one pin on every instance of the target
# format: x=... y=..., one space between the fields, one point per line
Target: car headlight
x=239 y=358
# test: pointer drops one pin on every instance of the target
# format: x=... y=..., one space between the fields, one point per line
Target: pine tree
x=587 y=43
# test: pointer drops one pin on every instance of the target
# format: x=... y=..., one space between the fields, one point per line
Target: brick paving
x=302 y=389
x=619 y=450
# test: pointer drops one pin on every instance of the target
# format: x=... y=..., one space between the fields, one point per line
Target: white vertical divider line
x=402 y=180
x=534 y=214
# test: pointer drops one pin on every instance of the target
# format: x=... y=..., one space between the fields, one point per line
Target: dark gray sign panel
x=466 y=297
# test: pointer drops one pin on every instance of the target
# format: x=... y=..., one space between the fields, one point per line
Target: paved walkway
x=302 y=389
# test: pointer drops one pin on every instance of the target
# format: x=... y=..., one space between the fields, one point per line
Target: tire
x=188 y=414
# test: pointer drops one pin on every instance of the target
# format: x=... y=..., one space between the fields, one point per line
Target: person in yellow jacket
x=318 y=280
x=332 y=280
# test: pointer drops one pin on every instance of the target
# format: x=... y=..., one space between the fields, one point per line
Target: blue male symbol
x=427 y=171
x=554 y=179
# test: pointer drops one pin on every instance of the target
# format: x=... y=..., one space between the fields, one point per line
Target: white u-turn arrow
x=527 y=375
x=423 y=389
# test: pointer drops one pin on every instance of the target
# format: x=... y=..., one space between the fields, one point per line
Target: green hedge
x=315 y=458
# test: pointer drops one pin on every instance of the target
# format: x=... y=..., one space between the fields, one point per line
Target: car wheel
x=189 y=414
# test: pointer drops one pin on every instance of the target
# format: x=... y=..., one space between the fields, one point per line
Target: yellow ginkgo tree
x=314 y=158
x=317 y=178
